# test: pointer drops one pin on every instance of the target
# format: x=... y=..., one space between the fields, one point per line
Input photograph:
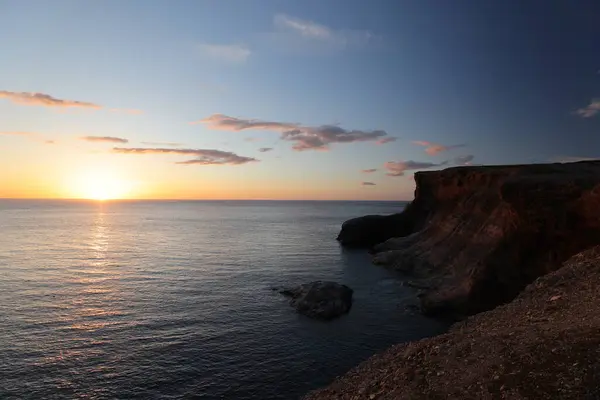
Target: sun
x=101 y=185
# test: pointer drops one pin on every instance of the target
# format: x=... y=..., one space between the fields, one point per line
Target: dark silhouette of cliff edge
x=476 y=236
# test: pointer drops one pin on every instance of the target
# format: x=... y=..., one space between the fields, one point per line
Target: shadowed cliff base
x=543 y=345
x=476 y=236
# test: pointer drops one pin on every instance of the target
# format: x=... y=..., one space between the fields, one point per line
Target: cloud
x=203 y=156
x=368 y=184
x=318 y=33
x=590 y=110
x=304 y=28
x=252 y=139
x=231 y=53
x=265 y=149
x=224 y=122
x=105 y=139
x=387 y=140
x=168 y=144
x=50 y=142
x=304 y=137
x=433 y=148
x=464 y=160
x=369 y=171
x=397 y=168
x=45 y=100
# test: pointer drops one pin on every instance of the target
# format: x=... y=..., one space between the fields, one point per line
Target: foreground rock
x=476 y=236
x=320 y=299
x=545 y=344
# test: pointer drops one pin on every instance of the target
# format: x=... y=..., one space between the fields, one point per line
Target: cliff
x=476 y=236
x=545 y=344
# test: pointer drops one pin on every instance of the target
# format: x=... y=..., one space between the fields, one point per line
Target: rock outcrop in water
x=320 y=299
x=476 y=236
x=545 y=344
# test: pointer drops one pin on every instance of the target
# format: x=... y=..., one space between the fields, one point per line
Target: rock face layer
x=478 y=235
x=320 y=299
x=545 y=344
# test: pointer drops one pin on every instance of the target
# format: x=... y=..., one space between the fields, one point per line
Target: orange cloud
x=433 y=148
x=44 y=100
x=369 y=171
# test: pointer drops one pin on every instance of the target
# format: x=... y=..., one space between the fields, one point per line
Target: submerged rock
x=320 y=299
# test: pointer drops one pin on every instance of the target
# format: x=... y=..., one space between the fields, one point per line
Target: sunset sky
x=282 y=99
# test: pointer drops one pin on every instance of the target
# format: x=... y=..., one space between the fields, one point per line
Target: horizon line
x=184 y=199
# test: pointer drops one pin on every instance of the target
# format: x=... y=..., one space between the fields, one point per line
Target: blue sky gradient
x=509 y=80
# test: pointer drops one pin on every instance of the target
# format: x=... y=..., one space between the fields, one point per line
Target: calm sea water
x=173 y=299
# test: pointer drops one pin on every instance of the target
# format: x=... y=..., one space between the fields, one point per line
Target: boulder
x=320 y=299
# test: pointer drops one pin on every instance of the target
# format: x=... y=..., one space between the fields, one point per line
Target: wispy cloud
x=45 y=100
x=464 y=160
x=50 y=142
x=387 y=140
x=105 y=139
x=590 y=110
x=369 y=171
x=252 y=139
x=303 y=137
x=397 y=168
x=265 y=149
x=202 y=156
x=368 y=184
x=230 y=53
x=435 y=148
x=168 y=144
x=312 y=31
x=304 y=28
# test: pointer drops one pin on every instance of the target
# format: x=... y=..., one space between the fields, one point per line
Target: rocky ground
x=545 y=344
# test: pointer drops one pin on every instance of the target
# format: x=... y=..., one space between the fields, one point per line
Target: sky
x=285 y=99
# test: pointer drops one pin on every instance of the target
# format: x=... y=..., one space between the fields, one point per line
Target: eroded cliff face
x=478 y=235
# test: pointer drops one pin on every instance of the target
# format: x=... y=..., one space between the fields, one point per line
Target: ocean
x=174 y=299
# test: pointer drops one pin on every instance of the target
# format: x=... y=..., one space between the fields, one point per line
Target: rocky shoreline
x=513 y=245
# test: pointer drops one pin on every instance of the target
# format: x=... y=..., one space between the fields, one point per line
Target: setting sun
x=100 y=185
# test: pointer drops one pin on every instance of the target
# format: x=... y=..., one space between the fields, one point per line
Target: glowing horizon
x=282 y=102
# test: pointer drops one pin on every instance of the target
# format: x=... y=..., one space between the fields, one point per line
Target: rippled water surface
x=172 y=299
